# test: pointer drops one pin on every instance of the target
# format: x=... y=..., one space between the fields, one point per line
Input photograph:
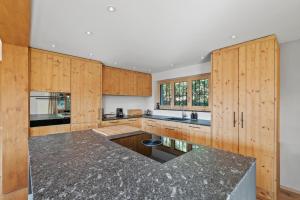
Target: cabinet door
x=85 y=89
x=225 y=99
x=199 y=135
x=49 y=71
x=61 y=73
x=127 y=83
x=143 y=84
x=40 y=71
x=111 y=81
x=257 y=136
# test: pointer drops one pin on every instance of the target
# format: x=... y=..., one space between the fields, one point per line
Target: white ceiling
x=156 y=34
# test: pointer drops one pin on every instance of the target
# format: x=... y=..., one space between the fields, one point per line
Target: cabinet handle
x=234 y=121
x=114 y=122
x=172 y=129
x=242 y=120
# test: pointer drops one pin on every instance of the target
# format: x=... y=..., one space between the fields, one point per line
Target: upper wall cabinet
x=49 y=71
x=125 y=82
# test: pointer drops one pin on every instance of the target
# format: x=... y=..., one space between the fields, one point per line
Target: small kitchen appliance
x=119 y=112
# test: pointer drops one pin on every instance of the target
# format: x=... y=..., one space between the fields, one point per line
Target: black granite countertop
x=165 y=118
x=86 y=165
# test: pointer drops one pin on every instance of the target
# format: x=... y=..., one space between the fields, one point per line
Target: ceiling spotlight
x=111 y=9
x=202 y=57
x=53 y=45
x=88 y=32
x=233 y=37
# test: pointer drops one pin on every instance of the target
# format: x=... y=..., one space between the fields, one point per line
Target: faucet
x=183 y=113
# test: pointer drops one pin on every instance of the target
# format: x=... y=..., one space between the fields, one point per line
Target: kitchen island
x=87 y=165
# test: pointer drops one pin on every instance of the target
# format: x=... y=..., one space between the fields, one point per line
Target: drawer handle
x=114 y=122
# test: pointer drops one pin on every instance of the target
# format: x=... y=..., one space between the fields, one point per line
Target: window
x=200 y=92
x=165 y=94
x=180 y=93
x=186 y=93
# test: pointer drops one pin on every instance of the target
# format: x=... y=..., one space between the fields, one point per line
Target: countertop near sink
x=86 y=165
x=165 y=118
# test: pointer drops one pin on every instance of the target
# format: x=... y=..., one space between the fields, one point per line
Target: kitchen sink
x=177 y=119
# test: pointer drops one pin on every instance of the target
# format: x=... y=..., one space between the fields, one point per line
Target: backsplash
x=110 y=103
x=173 y=113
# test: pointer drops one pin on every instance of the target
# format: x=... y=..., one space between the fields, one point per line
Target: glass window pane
x=200 y=92
x=165 y=94
x=180 y=93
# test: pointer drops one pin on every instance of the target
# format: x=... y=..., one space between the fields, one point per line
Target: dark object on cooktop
x=152 y=142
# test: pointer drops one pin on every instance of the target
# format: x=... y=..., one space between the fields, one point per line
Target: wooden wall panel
x=14 y=117
x=225 y=100
x=15 y=22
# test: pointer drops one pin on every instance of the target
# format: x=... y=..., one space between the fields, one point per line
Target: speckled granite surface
x=86 y=165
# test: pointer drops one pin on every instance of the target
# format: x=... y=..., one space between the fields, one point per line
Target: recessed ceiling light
x=88 y=32
x=111 y=9
x=233 y=37
x=53 y=45
x=202 y=57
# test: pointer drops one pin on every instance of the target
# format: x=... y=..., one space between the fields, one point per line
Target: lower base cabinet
x=196 y=134
x=135 y=122
x=46 y=130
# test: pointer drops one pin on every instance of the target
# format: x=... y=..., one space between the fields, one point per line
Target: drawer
x=83 y=126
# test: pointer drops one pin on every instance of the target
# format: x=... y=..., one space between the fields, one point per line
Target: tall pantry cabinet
x=245 y=112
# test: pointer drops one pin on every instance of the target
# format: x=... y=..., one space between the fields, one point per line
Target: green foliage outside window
x=180 y=93
x=200 y=92
x=165 y=94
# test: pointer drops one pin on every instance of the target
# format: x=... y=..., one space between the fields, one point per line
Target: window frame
x=189 y=80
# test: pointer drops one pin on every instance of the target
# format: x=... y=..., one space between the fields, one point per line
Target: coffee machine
x=119 y=113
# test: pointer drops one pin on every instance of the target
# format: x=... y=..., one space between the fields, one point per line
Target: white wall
x=175 y=73
x=110 y=103
x=290 y=115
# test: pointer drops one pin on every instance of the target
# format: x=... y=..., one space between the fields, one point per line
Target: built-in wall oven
x=49 y=108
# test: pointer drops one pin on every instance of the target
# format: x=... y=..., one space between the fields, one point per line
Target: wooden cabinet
x=143 y=84
x=125 y=82
x=14 y=122
x=46 y=130
x=86 y=92
x=246 y=102
x=135 y=122
x=196 y=134
x=225 y=99
x=83 y=126
x=49 y=71
x=152 y=126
